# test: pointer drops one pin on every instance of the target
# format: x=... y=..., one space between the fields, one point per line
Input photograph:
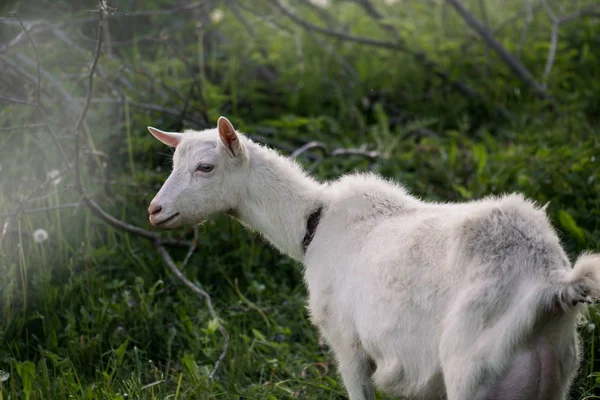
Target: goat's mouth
x=165 y=222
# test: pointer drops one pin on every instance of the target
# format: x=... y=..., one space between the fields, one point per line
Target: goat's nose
x=154 y=209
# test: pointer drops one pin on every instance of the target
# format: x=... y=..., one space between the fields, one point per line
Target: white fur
x=437 y=298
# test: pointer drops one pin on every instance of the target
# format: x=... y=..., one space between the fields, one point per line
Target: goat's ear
x=228 y=136
x=169 y=138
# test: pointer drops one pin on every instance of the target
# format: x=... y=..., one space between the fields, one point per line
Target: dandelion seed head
x=40 y=235
x=217 y=15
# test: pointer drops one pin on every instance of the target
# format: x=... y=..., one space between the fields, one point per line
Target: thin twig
x=307 y=147
x=591 y=11
x=89 y=202
x=551 y=54
x=376 y=15
x=124 y=226
x=101 y=12
x=186 y=104
x=340 y=35
x=69 y=100
x=39 y=210
x=190 y=252
x=112 y=15
x=556 y=23
x=486 y=24
x=38 y=91
x=371 y=155
x=515 y=65
x=504 y=24
x=398 y=46
x=152 y=107
x=22 y=127
x=528 y=20
x=17 y=101
x=37 y=59
x=171 y=264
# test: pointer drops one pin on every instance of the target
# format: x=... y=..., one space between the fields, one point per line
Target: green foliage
x=92 y=312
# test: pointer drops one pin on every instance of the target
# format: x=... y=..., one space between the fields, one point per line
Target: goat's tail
x=582 y=283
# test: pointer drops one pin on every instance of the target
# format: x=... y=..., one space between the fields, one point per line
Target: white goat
x=427 y=301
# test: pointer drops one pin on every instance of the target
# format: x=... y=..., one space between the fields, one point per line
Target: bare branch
x=152 y=107
x=551 y=53
x=191 y=250
x=37 y=57
x=339 y=152
x=486 y=24
x=38 y=91
x=370 y=9
x=338 y=34
x=549 y=11
x=307 y=147
x=506 y=23
x=419 y=55
x=528 y=19
x=22 y=35
x=93 y=206
x=17 y=101
x=39 y=210
x=592 y=11
x=117 y=223
x=171 y=264
x=514 y=64
x=101 y=13
x=22 y=127
x=556 y=23
x=69 y=100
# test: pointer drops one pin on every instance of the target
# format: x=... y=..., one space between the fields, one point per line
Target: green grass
x=93 y=312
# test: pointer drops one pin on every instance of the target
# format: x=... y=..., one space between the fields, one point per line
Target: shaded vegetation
x=91 y=312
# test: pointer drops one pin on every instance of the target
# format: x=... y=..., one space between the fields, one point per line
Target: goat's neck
x=277 y=201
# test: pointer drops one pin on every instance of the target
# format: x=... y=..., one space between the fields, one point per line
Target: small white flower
x=320 y=3
x=55 y=176
x=390 y=2
x=217 y=15
x=40 y=235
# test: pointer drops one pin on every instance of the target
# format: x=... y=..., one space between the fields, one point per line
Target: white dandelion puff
x=40 y=235
x=54 y=175
x=217 y=15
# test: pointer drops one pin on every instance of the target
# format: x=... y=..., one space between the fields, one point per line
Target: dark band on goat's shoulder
x=311 y=227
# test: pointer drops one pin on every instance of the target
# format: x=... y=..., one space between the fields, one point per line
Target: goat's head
x=207 y=169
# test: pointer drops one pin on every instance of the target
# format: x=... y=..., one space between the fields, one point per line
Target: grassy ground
x=93 y=313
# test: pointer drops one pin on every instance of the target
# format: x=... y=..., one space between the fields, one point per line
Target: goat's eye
x=204 y=168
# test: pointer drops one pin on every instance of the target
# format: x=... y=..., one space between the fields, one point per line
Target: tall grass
x=92 y=312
